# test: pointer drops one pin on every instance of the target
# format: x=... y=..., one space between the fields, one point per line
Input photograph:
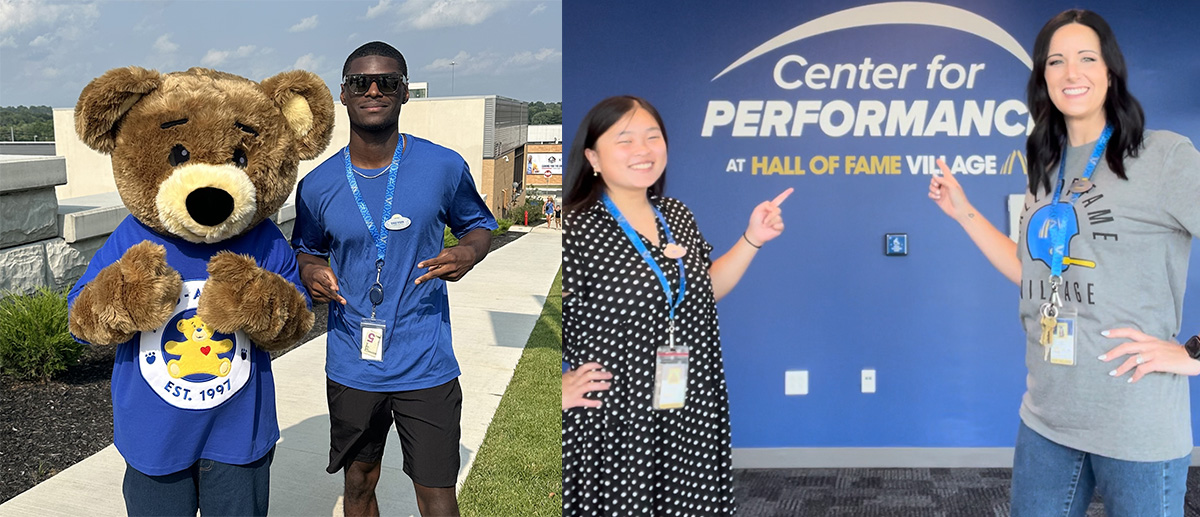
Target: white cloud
x=382 y=7
x=530 y=58
x=41 y=41
x=8 y=42
x=51 y=72
x=465 y=64
x=31 y=14
x=309 y=62
x=540 y=7
x=163 y=44
x=432 y=14
x=214 y=57
x=490 y=63
x=443 y=64
x=306 y=24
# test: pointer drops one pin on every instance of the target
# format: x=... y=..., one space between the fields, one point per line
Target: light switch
x=795 y=382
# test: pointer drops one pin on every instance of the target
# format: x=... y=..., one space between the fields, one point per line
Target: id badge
x=1062 y=344
x=670 y=377
x=372 y=339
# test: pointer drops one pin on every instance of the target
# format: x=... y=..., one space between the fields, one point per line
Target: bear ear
x=308 y=107
x=107 y=99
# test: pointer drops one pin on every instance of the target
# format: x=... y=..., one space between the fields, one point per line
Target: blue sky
x=49 y=50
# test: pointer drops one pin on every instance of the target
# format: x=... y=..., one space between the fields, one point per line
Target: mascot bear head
x=204 y=155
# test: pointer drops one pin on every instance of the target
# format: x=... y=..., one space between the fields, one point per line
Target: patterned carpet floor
x=891 y=493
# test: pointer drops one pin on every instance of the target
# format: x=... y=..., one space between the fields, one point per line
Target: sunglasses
x=358 y=84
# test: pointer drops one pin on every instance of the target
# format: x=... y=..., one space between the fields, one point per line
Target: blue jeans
x=1051 y=480
x=212 y=487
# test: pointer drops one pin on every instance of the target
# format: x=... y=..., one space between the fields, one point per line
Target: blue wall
x=940 y=325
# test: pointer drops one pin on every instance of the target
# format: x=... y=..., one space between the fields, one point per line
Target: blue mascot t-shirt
x=434 y=190
x=185 y=392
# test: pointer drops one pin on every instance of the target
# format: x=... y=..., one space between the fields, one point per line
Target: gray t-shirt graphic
x=1129 y=269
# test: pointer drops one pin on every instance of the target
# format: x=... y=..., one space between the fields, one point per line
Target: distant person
x=645 y=422
x=1100 y=297
x=548 y=211
x=378 y=209
x=557 y=214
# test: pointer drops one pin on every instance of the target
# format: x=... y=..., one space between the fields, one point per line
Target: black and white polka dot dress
x=625 y=458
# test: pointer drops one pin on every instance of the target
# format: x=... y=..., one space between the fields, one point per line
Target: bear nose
x=209 y=206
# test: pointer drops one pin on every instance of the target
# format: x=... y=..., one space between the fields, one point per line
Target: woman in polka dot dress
x=621 y=456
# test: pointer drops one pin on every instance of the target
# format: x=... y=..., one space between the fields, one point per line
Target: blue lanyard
x=1058 y=230
x=380 y=237
x=637 y=243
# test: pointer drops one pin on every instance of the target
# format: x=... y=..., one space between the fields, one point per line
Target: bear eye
x=239 y=158
x=178 y=155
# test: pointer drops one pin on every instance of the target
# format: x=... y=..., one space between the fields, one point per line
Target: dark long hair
x=1045 y=144
x=583 y=185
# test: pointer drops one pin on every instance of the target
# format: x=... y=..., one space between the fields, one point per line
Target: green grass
x=518 y=470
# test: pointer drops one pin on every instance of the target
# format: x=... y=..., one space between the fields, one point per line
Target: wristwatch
x=1193 y=347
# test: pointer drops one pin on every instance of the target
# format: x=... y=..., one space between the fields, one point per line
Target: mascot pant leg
x=213 y=487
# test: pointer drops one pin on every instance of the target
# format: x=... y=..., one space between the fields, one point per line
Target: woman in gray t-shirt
x=1101 y=261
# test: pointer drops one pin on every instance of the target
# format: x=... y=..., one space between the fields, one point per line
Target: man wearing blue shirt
x=369 y=224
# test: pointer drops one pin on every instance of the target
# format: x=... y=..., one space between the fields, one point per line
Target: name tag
x=372 y=339
x=1062 y=341
x=670 y=377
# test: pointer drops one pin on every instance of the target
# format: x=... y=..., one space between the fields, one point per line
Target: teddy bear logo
x=198 y=352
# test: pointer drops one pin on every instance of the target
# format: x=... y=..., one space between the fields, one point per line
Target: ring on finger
x=1140 y=360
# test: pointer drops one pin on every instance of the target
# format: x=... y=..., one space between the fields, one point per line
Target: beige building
x=545 y=141
x=489 y=132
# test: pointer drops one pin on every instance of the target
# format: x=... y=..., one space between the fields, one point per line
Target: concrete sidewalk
x=493 y=311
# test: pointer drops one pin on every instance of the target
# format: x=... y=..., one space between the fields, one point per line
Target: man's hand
x=454 y=262
x=450 y=265
x=318 y=278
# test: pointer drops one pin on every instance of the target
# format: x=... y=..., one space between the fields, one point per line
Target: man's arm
x=454 y=262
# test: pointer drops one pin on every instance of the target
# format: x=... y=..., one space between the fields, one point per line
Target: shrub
x=503 y=226
x=34 y=341
x=533 y=206
x=448 y=238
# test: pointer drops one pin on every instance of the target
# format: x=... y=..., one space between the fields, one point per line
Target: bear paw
x=240 y=295
x=137 y=293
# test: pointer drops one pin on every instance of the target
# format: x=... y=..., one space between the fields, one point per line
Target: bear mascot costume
x=196 y=286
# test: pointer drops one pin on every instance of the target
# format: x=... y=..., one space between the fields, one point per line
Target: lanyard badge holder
x=1059 y=324
x=373 y=330
x=670 y=361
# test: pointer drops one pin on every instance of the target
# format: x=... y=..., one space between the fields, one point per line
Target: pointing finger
x=782 y=196
x=947 y=175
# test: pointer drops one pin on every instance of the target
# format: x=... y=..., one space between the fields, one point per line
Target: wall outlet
x=795 y=382
x=868 y=381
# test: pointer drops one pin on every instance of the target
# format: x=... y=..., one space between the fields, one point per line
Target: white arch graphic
x=893 y=13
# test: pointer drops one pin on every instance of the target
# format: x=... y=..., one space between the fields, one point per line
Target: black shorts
x=427 y=420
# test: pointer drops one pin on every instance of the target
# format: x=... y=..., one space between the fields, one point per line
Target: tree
x=545 y=113
x=26 y=124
